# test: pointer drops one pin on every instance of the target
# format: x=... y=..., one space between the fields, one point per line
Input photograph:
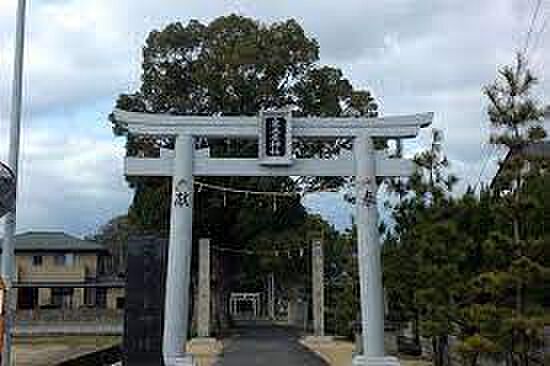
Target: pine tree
x=516 y=117
x=424 y=252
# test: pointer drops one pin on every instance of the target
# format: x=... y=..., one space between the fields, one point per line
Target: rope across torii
x=274 y=131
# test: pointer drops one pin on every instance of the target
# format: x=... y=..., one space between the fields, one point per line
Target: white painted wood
x=163 y=124
x=385 y=167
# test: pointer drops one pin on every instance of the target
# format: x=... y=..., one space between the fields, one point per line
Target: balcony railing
x=53 y=274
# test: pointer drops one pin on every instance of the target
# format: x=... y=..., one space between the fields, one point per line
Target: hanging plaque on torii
x=274 y=131
x=273 y=159
x=275 y=140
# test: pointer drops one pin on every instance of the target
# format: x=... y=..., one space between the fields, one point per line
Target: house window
x=101 y=298
x=120 y=303
x=62 y=297
x=59 y=259
x=69 y=259
x=27 y=298
x=66 y=259
x=89 y=296
x=36 y=260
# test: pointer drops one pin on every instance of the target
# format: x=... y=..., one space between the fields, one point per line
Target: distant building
x=538 y=150
x=57 y=270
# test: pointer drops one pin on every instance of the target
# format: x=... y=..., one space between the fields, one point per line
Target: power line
x=539 y=35
x=488 y=157
x=531 y=27
x=482 y=158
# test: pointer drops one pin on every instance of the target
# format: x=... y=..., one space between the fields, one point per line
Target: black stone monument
x=144 y=312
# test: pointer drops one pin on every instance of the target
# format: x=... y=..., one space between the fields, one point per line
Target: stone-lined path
x=266 y=345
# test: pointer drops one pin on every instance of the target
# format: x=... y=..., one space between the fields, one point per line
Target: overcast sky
x=414 y=55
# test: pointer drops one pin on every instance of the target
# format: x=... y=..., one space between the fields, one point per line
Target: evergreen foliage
x=476 y=269
x=469 y=273
x=235 y=65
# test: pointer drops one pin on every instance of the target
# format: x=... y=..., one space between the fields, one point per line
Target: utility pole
x=8 y=257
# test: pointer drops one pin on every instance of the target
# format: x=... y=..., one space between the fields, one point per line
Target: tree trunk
x=510 y=355
x=440 y=345
x=435 y=350
x=519 y=291
x=416 y=330
x=522 y=359
x=444 y=347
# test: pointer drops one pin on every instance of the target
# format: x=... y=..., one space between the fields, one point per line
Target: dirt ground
x=339 y=353
x=48 y=351
x=205 y=352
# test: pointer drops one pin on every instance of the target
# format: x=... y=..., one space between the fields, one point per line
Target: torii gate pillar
x=179 y=256
x=368 y=247
x=274 y=131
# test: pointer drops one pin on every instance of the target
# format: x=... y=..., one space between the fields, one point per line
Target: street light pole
x=8 y=257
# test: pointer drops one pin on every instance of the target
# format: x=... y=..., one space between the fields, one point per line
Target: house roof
x=53 y=241
x=539 y=149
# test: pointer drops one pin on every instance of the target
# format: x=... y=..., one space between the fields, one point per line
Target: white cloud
x=70 y=182
x=415 y=55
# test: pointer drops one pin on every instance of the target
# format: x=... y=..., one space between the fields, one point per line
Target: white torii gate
x=274 y=131
x=236 y=298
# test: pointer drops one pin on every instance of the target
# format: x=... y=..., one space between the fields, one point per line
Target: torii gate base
x=275 y=132
x=375 y=361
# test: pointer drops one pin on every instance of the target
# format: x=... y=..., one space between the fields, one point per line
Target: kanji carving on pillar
x=274 y=130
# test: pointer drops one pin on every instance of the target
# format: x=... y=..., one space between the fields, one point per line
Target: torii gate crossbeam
x=244 y=126
x=204 y=166
x=275 y=131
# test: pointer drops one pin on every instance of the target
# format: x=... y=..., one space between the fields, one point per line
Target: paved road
x=266 y=346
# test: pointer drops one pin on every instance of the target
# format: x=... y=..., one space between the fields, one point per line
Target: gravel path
x=266 y=346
